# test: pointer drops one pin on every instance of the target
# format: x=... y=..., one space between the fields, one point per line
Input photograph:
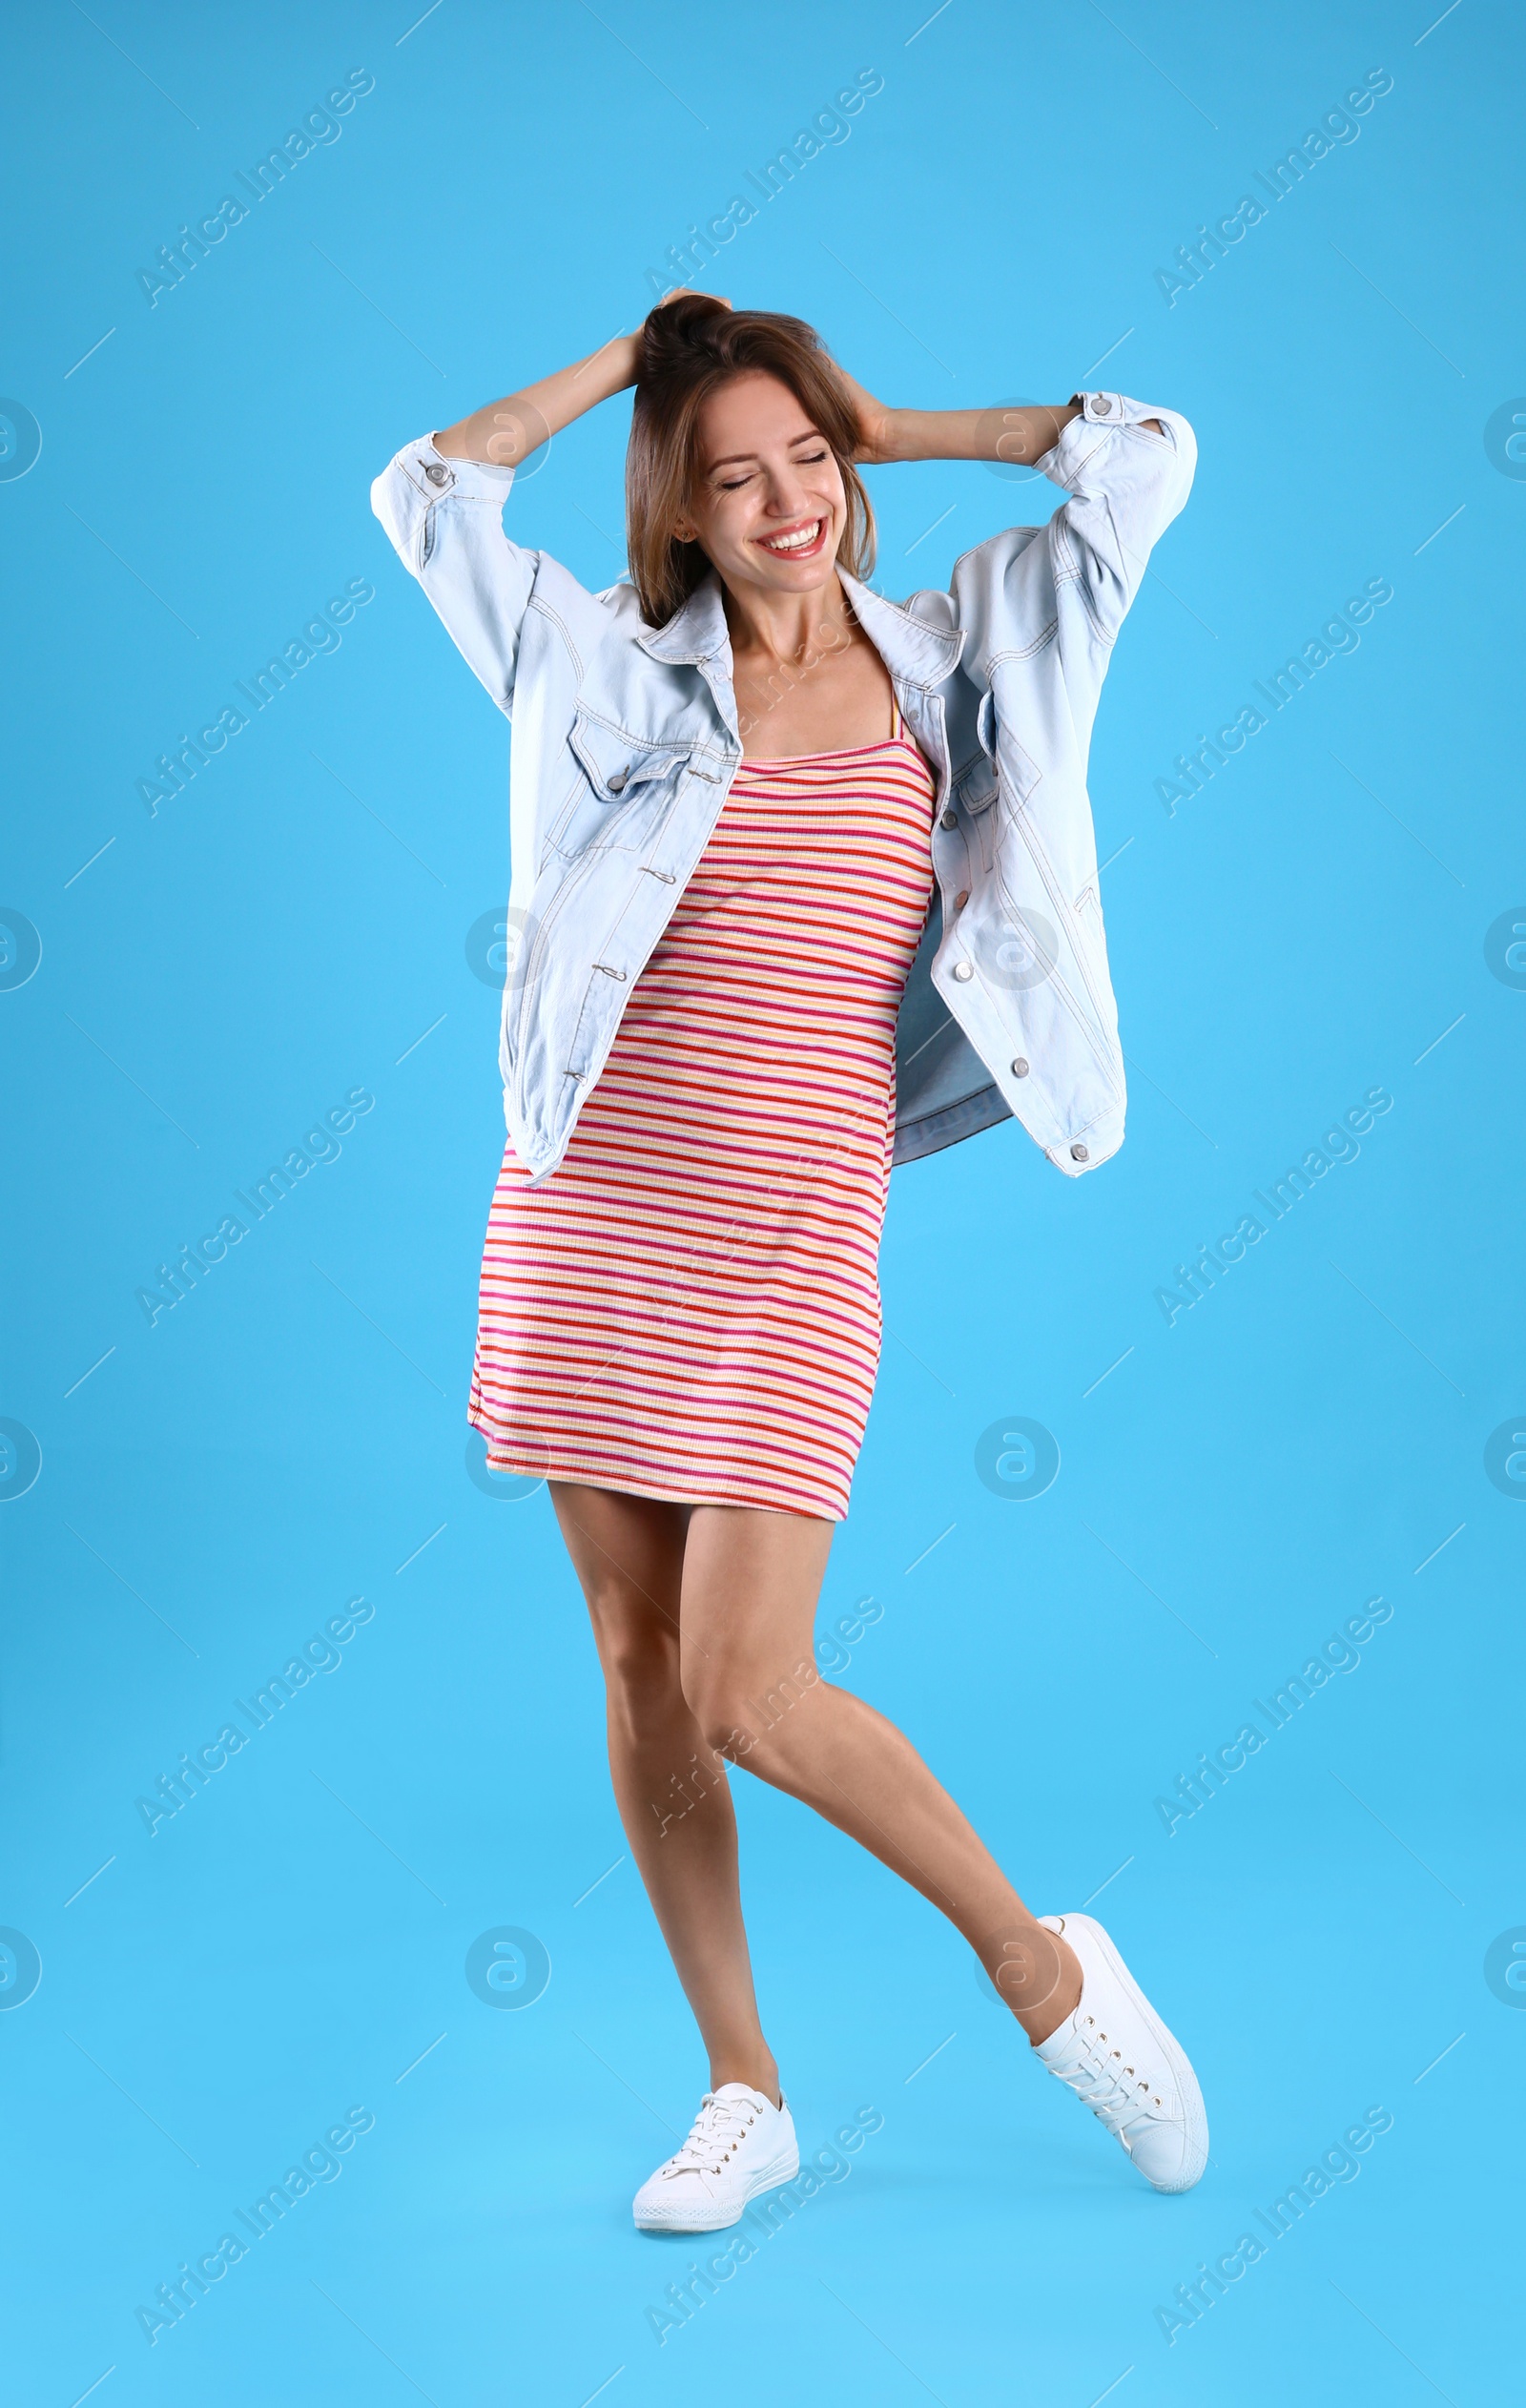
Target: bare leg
x=749 y=1594
x=669 y=1786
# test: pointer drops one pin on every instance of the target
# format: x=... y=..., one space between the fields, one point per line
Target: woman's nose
x=787 y=496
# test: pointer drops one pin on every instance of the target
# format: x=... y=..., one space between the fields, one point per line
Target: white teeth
x=797 y=542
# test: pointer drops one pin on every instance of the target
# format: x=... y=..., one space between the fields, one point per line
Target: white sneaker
x=1118 y=2056
x=739 y=2145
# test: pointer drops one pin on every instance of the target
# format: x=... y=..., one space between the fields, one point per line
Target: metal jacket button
x=436 y=474
x=1079 y=1154
x=1020 y=1069
x=1101 y=403
x=617 y=782
x=962 y=970
x=950 y=820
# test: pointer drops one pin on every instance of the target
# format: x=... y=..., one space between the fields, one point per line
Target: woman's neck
x=789 y=627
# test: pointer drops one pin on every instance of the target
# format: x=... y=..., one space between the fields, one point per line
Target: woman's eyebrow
x=731 y=459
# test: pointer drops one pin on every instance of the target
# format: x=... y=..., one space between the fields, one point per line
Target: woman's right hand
x=680 y=292
x=616 y=364
x=504 y=434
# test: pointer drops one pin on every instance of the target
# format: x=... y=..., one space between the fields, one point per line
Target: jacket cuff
x=1112 y=410
x=1079 y=437
x=435 y=476
x=1078 y=1156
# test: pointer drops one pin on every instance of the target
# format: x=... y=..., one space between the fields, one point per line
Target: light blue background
x=292 y=1434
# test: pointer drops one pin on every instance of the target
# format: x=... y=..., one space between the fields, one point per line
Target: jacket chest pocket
x=1000 y=766
x=976 y=783
x=975 y=790
x=999 y=748
x=616 y=783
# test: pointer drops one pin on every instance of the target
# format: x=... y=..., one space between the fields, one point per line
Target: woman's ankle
x=1035 y=1973
x=1042 y=2021
x=758 y=2074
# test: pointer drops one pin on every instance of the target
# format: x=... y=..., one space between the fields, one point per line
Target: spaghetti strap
x=895 y=715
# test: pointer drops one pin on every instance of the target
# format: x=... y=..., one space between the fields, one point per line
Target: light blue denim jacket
x=625 y=740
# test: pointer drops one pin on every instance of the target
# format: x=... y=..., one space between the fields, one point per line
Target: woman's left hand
x=874 y=445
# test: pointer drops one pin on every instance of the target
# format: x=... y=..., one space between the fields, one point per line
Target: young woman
x=768 y=832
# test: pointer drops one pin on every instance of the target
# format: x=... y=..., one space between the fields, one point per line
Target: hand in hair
x=669 y=334
x=692 y=292
x=874 y=447
x=506 y=433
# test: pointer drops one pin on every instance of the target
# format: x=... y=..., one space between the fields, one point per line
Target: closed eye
x=806 y=460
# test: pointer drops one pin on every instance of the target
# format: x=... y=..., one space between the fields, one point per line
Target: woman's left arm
x=1016 y=433
x=1125 y=472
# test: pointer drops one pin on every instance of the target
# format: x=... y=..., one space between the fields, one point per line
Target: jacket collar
x=697 y=631
x=922 y=656
x=696 y=634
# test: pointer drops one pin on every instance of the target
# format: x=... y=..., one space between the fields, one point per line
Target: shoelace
x=1114 y=2091
x=717 y=2130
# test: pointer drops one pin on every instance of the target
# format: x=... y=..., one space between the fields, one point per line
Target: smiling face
x=769 y=507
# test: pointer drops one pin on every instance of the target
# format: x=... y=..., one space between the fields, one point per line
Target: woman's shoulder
x=605 y=614
x=985 y=562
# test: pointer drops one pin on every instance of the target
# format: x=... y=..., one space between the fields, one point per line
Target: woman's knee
x=724 y=1723
x=735 y=1706
x=638 y=1655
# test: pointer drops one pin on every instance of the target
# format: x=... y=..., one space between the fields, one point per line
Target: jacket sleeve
x=1124 y=485
x=1074 y=578
x=445 y=520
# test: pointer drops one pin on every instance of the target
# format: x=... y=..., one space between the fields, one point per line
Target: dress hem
x=530 y=1463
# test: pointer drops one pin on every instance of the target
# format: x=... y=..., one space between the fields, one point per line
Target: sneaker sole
x=782 y=2169
x=1195 y=2115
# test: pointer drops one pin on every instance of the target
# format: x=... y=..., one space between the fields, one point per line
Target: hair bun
x=681 y=333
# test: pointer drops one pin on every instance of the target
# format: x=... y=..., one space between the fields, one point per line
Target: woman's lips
x=795 y=549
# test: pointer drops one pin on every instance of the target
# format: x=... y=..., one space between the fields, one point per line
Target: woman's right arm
x=442 y=503
x=504 y=433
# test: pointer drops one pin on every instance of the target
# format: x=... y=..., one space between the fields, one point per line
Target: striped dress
x=689 y=1307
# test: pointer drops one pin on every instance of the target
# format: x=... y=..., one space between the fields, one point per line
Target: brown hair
x=688 y=347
